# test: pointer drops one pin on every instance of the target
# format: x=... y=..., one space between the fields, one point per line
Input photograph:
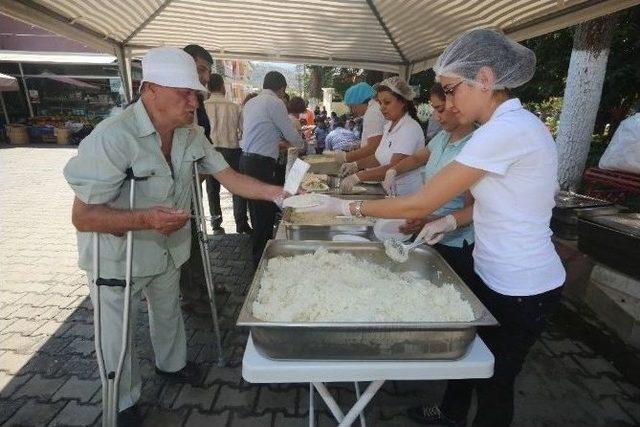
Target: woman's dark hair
x=216 y=83
x=409 y=106
x=438 y=91
x=296 y=105
x=249 y=96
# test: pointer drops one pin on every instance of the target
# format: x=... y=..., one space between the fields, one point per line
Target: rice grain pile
x=338 y=287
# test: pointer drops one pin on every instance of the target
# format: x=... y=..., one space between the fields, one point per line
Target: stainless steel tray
x=329 y=167
x=294 y=231
x=570 y=200
x=360 y=340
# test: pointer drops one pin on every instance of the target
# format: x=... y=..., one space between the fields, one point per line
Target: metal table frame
x=256 y=368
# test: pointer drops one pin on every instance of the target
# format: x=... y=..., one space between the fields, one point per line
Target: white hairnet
x=399 y=86
x=512 y=64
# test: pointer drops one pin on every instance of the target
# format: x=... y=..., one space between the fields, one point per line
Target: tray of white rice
x=349 y=301
x=322 y=226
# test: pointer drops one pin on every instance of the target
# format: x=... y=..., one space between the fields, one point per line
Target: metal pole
x=26 y=89
x=4 y=108
x=206 y=261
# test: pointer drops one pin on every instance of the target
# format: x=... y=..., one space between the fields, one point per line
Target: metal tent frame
x=388 y=35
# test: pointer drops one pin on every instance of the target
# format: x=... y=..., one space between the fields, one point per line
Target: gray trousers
x=165 y=323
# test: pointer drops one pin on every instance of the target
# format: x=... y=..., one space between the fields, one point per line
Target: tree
x=587 y=67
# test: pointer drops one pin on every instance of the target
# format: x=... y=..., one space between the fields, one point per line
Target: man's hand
x=166 y=220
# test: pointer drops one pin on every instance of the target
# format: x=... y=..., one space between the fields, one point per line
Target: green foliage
x=548 y=111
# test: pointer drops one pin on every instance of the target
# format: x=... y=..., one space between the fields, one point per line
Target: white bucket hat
x=171 y=67
x=399 y=86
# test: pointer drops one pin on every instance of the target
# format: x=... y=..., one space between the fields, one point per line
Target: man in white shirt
x=225 y=118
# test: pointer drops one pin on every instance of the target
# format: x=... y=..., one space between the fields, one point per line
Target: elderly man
x=267 y=129
x=156 y=139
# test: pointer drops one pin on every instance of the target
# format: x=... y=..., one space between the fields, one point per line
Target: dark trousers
x=263 y=214
x=232 y=156
x=460 y=260
x=522 y=320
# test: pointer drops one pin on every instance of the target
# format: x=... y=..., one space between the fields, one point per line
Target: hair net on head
x=399 y=86
x=512 y=64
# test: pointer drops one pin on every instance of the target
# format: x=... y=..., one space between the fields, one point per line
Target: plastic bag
x=623 y=152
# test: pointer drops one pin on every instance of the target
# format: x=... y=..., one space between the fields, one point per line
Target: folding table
x=256 y=368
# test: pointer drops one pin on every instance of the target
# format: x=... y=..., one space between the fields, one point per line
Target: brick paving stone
x=251 y=420
x=199 y=419
x=194 y=396
x=155 y=417
x=34 y=413
x=280 y=397
x=235 y=398
x=40 y=388
x=614 y=412
x=75 y=414
x=74 y=388
x=596 y=365
x=82 y=345
x=14 y=362
x=10 y=383
x=602 y=386
x=81 y=330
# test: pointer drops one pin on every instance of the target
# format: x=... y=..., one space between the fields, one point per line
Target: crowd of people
x=480 y=190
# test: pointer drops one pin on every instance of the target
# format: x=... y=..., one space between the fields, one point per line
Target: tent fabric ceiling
x=376 y=34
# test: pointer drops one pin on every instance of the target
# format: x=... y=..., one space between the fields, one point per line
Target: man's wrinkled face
x=204 y=71
x=177 y=105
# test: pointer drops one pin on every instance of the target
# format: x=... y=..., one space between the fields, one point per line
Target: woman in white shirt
x=510 y=166
x=402 y=137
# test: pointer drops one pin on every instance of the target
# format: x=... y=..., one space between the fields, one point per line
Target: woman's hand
x=347 y=184
x=348 y=169
x=434 y=231
x=389 y=183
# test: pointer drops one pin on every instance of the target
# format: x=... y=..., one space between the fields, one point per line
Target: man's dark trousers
x=232 y=156
x=263 y=214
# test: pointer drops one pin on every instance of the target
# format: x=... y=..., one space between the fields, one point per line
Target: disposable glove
x=347 y=184
x=330 y=205
x=434 y=231
x=279 y=197
x=348 y=169
x=389 y=183
x=339 y=156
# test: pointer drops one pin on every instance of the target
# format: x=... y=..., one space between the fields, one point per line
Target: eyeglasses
x=450 y=90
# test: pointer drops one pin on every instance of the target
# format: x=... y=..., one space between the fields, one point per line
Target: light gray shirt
x=265 y=123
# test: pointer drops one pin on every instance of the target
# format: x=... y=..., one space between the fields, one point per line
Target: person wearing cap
x=402 y=137
x=266 y=129
x=510 y=166
x=156 y=140
x=361 y=100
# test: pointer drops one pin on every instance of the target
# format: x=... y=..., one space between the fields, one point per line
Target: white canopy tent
x=403 y=36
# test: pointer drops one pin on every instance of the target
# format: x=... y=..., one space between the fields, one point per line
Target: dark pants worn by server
x=522 y=320
x=232 y=156
x=263 y=214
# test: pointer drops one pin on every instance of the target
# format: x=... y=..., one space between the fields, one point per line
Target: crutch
x=203 y=240
x=111 y=380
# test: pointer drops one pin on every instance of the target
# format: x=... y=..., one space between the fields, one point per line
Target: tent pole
x=4 y=108
x=26 y=90
x=124 y=66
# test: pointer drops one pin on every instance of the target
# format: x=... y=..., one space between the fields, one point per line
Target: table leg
x=328 y=399
x=363 y=423
x=356 y=409
x=312 y=412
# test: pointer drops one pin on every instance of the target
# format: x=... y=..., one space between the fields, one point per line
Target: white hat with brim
x=171 y=67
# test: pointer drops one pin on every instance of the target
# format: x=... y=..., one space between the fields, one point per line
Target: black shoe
x=190 y=374
x=129 y=417
x=244 y=229
x=218 y=231
x=431 y=415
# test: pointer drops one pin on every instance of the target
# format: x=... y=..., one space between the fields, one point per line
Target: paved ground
x=577 y=375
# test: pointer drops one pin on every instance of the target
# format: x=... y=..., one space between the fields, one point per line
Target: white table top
x=256 y=368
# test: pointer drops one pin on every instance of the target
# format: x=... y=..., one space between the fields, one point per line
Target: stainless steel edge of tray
x=326 y=232
x=365 y=340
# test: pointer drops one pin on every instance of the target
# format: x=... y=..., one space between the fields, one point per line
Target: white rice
x=338 y=287
x=393 y=250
